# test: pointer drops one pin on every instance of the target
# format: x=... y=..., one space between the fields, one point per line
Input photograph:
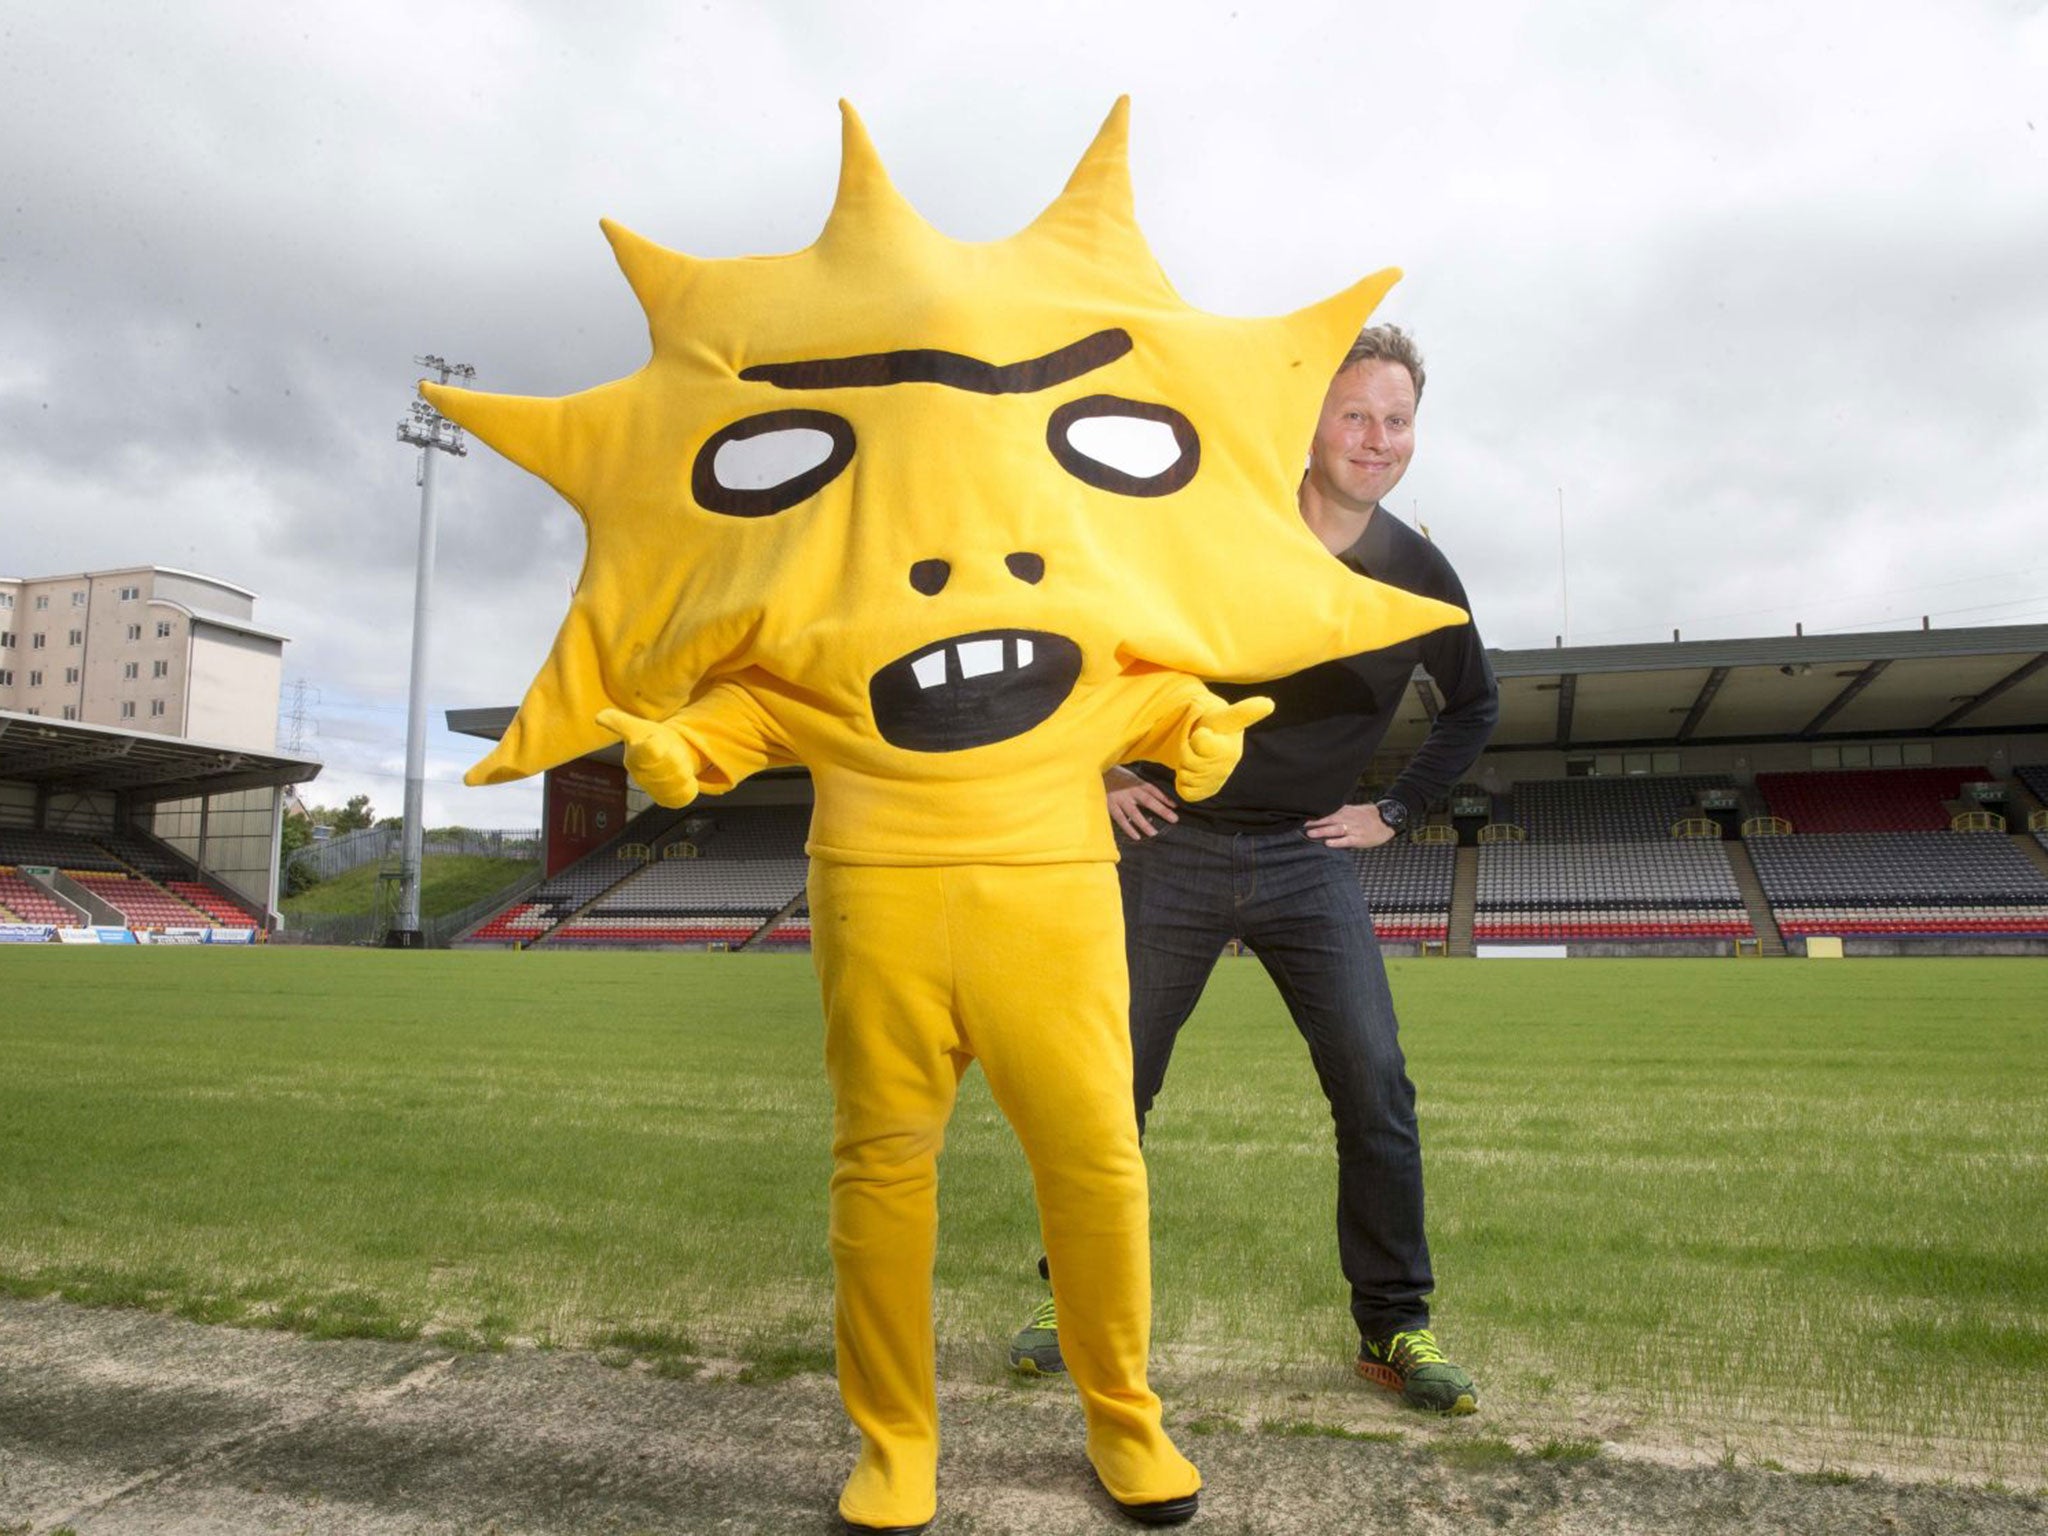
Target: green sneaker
x=1410 y=1363
x=1035 y=1350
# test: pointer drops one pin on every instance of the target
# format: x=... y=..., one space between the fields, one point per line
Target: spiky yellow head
x=936 y=485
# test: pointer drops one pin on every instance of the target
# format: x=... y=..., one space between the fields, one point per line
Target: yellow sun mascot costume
x=957 y=526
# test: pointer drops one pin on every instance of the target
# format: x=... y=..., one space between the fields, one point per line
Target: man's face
x=1365 y=436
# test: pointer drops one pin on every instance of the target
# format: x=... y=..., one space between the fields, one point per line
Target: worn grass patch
x=1308 y=1428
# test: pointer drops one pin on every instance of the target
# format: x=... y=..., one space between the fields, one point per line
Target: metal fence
x=376 y=845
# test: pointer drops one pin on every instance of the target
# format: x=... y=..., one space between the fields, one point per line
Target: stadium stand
x=148 y=883
x=1555 y=892
x=61 y=850
x=1905 y=883
x=746 y=864
x=145 y=857
x=568 y=891
x=1866 y=799
x=1408 y=887
x=1608 y=809
x=2035 y=777
x=22 y=900
x=225 y=913
x=141 y=902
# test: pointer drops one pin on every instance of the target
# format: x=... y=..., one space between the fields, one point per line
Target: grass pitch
x=1751 y=1204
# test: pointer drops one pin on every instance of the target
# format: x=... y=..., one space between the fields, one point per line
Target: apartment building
x=146 y=648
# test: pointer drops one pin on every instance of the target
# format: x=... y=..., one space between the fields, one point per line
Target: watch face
x=1392 y=812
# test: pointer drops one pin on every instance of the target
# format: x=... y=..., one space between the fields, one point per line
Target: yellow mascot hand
x=660 y=761
x=1215 y=745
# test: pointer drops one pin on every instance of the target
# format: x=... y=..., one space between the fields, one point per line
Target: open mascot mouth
x=971 y=690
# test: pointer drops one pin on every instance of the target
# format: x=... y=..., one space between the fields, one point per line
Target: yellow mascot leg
x=922 y=969
x=894 y=1059
x=1045 y=997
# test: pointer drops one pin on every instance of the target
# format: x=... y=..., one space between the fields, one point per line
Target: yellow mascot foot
x=1157 y=1487
x=1161 y=1511
x=876 y=1503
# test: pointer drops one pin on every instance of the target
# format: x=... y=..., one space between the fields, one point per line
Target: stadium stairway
x=1768 y=940
x=2030 y=845
x=787 y=909
x=1464 y=903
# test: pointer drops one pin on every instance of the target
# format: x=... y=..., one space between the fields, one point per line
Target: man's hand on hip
x=1131 y=797
x=1351 y=826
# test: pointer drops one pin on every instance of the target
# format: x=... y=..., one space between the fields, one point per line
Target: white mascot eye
x=1141 y=449
x=761 y=465
x=1131 y=447
x=772 y=459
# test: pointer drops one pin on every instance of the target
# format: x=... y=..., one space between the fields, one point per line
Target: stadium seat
x=1935 y=883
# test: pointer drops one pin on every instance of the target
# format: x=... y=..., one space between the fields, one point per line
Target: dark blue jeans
x=1298 y=907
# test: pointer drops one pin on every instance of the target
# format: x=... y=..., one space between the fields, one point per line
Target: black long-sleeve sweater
x=1303 y=760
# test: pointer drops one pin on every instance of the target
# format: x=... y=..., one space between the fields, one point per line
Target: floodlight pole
x=431 y=432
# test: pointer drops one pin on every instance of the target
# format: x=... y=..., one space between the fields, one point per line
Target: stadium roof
x=1921 y=684
x=66 y=754
x=1793 y=688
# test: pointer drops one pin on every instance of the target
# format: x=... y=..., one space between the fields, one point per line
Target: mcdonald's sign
x=584 y=807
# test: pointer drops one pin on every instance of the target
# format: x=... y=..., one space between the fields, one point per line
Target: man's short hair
x=1387 y=344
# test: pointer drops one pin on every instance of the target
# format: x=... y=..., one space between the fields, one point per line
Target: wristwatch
x=1393 y=812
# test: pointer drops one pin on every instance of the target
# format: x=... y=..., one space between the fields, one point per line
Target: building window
x=131 y=669
x=6 y=599
x=129 y=594
x=42 y=601
x=33 y=710
x=70 y=713
x=163 y=629
x=35 y=678
x=78 y=599
x=35 y=641
x=128 y=710
x=156 y=708
x=159 y=669
x=134 y=631
x=77 y=637
x=71 y=674
x=6 y=678
x=6 y=639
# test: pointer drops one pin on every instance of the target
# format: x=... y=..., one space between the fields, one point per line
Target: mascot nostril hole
x=1026 y=567
x=930 y=576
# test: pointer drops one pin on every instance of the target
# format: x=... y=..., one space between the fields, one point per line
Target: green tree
x=354 y=816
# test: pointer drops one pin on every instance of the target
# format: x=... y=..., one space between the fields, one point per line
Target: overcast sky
x=1758 y=291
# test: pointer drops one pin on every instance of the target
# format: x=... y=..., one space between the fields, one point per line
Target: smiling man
x=1263 y=861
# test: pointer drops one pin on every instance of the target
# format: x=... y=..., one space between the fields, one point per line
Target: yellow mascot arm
x=1195 y=733
x=706 y=747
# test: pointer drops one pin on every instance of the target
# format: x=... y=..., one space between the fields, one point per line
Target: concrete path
x=125 y=1422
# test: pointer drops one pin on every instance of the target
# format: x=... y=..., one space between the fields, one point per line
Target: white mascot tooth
x=980 y=656
x=930 y=670
x=1023 y=654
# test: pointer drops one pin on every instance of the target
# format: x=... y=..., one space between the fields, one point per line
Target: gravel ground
x=119 y=1422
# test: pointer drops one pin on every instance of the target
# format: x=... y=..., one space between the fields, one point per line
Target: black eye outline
x=1107 y=477
x=768 y=500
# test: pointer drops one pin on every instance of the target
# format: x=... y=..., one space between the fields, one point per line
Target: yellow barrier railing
x=1697 y=826
x=1434 y=834
x=1766 y=826
x=635 y=851
x=1502 y=832
x=1977 y=821
x=682 y=850
x=2038 y=822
